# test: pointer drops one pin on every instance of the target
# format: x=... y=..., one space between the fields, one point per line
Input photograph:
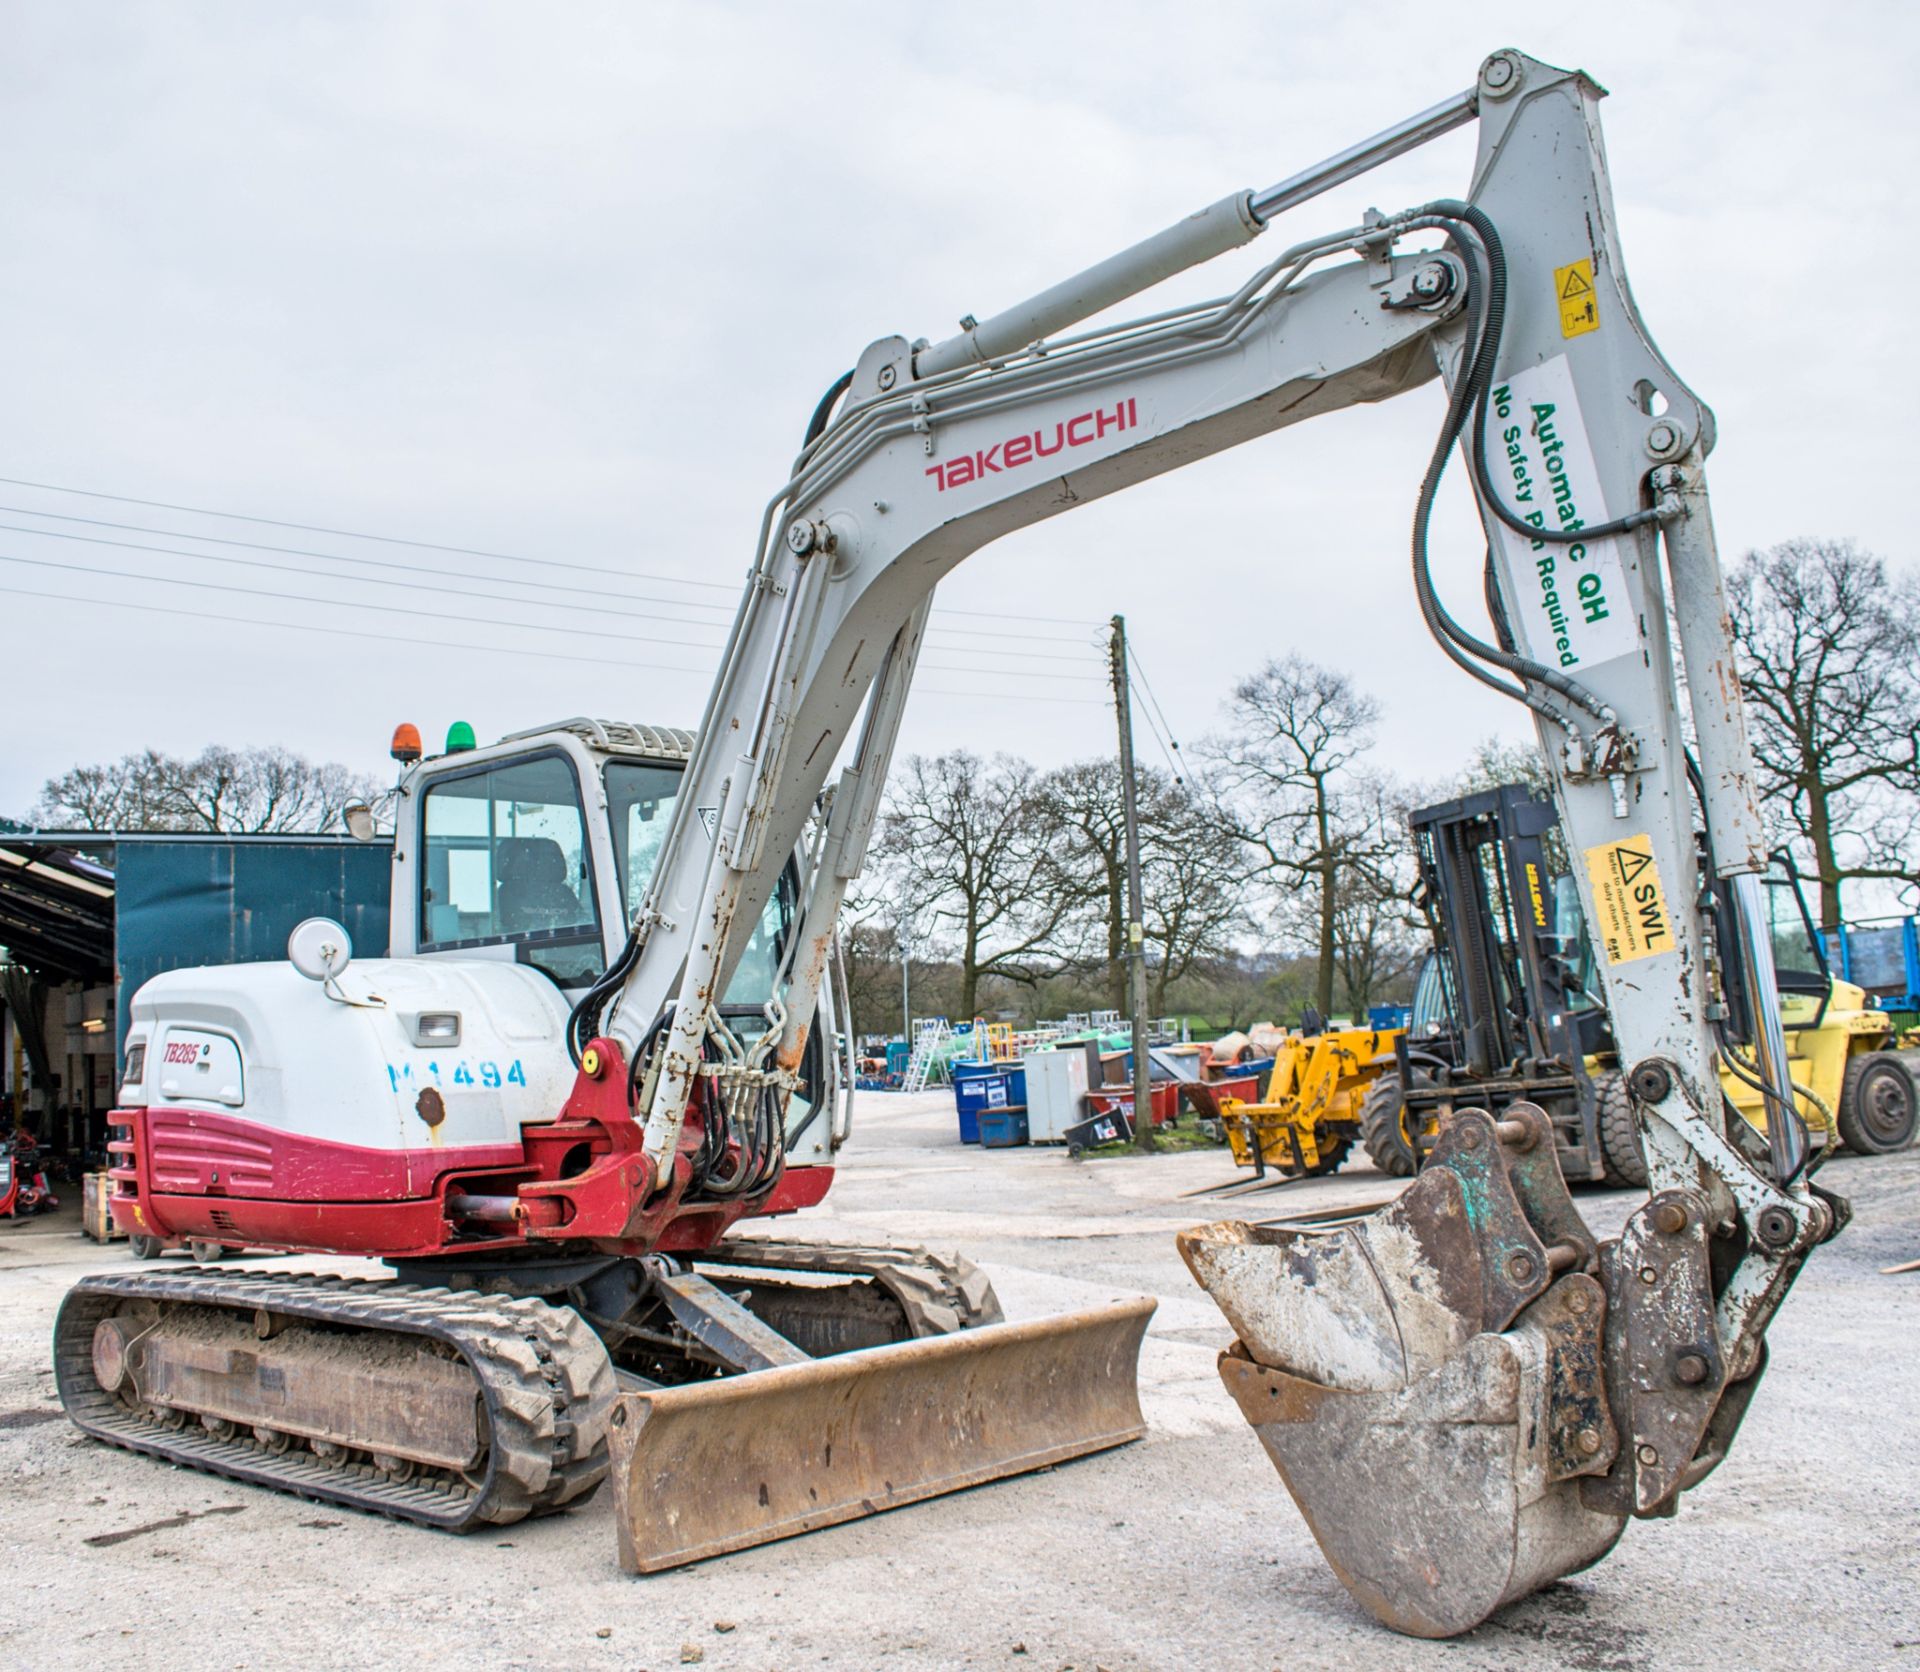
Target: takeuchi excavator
x=1468 y=1394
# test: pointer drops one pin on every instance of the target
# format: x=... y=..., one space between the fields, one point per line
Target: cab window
x=1797 y=958
x=640 y=801
x=505 y=859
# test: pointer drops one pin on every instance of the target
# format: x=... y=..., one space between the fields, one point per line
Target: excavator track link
x=542 y=1381
x=937 y=1293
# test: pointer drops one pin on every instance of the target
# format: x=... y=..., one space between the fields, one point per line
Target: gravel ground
x=1182 y=1551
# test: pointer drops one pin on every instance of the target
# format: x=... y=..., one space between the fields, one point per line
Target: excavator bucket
x=1430 y=1380
x=719 y=1465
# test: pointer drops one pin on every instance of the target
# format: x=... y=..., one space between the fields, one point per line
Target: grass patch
x=1169 y=1140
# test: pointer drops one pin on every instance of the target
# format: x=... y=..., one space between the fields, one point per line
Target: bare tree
x=1499 y=760
x=1378 y=931
x=1193 y=877
x=1299 y=730
x=1190 y=865
x=974 y=860
x=131 y=793
x=1082 y=804
x=241 y=791
x=1826 y=640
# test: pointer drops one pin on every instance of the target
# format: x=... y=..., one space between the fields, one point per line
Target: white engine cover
x=262 y=1042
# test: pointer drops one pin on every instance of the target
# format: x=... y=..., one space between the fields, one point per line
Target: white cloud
x=567 y=280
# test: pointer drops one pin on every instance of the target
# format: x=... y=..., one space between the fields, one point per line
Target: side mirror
x=359 y=820
x=319 y=948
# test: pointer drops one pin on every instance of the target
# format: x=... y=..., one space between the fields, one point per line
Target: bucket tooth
x=720 y=1465
x=1431 y=1381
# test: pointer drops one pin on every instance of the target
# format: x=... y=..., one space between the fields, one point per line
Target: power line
x=1146 y=713
x=1021 y=697
x=466 y=594
x=432 y=546
x=1147 y=686
x=598 y=594
x=346 y=603
x=570 y=629
x=353 y=534
x=413 y=641
x=410 y=639
x=328 y=557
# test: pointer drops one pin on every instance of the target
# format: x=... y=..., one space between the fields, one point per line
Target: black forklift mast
x=1516 y=1025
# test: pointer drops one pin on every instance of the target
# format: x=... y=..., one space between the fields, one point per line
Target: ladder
x=929 y=1034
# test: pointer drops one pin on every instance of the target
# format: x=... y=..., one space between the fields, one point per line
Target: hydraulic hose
x=1475 y=236
x=817 y=424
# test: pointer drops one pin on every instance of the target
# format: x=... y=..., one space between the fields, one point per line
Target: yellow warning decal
x=1579 y=302
x=1629 y=908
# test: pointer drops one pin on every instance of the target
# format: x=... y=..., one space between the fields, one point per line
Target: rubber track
x=938 y=1293
x=544 y=1377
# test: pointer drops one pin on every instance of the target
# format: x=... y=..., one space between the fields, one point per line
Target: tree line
x=1277 y=876
x=256 y=791
x=1286 y=879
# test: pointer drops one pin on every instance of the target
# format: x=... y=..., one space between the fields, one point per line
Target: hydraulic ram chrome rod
x=1389 y=143
x=1209 y=232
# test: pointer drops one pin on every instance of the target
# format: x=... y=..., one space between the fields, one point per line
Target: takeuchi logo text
x=1018 y=451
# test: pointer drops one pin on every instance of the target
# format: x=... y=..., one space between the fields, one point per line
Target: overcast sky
x=564 y=282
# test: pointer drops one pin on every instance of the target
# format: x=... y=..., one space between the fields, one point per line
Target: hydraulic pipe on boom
x=1468 y=1393
x=1522 y=307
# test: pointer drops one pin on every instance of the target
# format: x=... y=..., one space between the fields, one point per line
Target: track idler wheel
x=1430 y=1380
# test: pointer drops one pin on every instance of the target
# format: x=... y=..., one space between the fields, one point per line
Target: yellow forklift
x=1307 y=1117
x=1507 y=1008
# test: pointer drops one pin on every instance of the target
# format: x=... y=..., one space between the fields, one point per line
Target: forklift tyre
x=1620 y=1152
x=1382 y=1130
x=144 y=1248
x=1877 y=1105
x=206 y=1253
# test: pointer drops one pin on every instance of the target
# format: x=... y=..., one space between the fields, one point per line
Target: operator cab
x=539 y=849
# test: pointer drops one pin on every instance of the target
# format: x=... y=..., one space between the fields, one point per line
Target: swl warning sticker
x=1579 y=307
x=1629 y=907
x=1571 y=604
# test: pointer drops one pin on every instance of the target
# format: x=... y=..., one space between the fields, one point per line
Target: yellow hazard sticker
x=1579 y=302
x=1629 y=906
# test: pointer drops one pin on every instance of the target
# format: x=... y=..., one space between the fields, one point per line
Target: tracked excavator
x=1467 y=1394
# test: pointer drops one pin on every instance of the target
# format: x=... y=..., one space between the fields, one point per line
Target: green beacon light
x=459 y=738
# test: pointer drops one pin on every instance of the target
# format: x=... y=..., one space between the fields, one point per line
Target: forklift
x=1507 y=1007
x=1500 y=1012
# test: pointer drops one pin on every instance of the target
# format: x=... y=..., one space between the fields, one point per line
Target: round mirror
x=319 y=948
x=358 y=817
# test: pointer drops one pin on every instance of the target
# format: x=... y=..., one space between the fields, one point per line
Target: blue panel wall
x=220 y=901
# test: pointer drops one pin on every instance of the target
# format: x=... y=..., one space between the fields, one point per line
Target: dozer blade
x=1429 y=1380
x=720 y=1465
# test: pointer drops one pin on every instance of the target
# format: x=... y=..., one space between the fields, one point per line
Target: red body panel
x=209 y=1174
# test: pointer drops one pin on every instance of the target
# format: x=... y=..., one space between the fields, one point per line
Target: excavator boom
x=1520 y=1388
x=1468 y=1394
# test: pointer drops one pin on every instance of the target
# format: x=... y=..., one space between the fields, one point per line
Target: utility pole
x=1136 y=913
x=906 y=1002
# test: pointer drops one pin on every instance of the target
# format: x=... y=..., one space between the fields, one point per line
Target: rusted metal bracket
x=1667 y=1373
x=1515 y=1263
x=721 y=1324
x=1571 y=1319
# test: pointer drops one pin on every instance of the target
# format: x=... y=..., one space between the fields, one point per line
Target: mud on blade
x=721 y=1465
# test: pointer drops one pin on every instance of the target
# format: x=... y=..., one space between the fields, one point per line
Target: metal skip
x=714 y=1466
x=1429 y=1381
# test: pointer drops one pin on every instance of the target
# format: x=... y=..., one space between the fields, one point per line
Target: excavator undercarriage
x=1467 y=1394
x=476 y=1395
